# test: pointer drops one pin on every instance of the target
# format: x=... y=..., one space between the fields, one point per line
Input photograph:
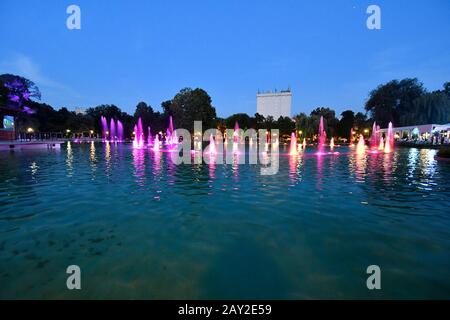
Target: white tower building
x=275 y=104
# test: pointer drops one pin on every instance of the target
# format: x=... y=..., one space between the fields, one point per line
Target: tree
x=16 y=92
x=192 y=105
x=447 y=88
x=329 y=117
x=429 y=108
x=303 y=123
x=346 y=123
x=149 y=117
x=243 y=119
x=393 y=100
x=259 y=121
x=285 y=125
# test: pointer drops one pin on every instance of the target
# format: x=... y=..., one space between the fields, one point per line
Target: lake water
x=141 y=227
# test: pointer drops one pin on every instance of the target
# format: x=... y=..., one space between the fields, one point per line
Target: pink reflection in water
x=139 y=166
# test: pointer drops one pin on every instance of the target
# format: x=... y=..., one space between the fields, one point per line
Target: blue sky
x=131 y=51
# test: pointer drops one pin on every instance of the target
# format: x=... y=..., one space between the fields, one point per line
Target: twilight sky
x=131 y=51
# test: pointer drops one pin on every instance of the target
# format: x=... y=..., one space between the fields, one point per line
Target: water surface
x=141 y=227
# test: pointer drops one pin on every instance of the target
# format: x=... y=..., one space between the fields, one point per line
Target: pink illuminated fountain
x=212 y=146
x=170 y=130
x=389 y=143
x=322 y=137
x=293 y=147
x=156 y=143
x=374 y=138
x=236 y=133
x=381 y=145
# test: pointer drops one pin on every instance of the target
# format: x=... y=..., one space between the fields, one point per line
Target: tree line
x=404 y=102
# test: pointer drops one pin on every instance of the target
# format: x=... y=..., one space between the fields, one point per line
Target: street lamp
x=30 y=130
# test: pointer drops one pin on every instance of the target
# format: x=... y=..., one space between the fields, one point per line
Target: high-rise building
x=80 y=111
x=276 y=104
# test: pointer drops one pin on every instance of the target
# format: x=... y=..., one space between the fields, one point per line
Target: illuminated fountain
x=156 y=143
x=361 y=146
x=381 y=145
x=119 y=131
x=389 y=143
x=352 y=139
x=212 y=146
x=171 y=132
x=332 y=144
x=138 y=141
x=236 y=138
x=322 y=138
x=373 y=137
x=293 y=147
x=104 y=128
x=112 y=130
x=304 y=143
x=236 y=133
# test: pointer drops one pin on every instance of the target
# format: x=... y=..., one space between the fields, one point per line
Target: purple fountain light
x=112 y=130
x=171 y=139
x=322 y=138
x=104 y=128
x=138 y=141
x=374 y=138
x=170 y=126
x=119 y=131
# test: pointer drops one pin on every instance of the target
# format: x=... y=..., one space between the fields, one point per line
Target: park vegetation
x=402 y=102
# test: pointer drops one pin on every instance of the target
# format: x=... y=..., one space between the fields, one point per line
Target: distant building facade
x=421 y=132
x=275 y=104
x=80 y=111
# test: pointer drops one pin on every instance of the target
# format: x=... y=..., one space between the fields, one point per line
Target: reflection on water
x=139 y=166
x=142 y=227
x=69 y=160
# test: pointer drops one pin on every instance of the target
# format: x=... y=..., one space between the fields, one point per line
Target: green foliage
x=155 y=120
x=393 y=100
x=244 y=120
x=403 y=102
x=16 y=92
x=429 y=108
x=191 y=105
x=346 y=124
